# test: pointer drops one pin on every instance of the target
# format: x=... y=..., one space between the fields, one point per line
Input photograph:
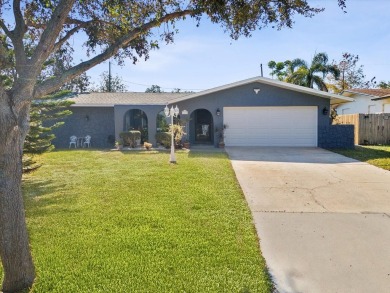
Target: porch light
x=173 y=112
x=218 y=112
x=325 y=111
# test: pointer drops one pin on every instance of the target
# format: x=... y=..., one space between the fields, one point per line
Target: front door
x=203 y=126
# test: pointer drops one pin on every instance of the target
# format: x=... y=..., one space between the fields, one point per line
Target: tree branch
x=4 y=28
x=17 y=36
x=20 y=26
x=52 y=31
x=70 y=33
x=80 y=22
x=43 y=26
x=53 y=84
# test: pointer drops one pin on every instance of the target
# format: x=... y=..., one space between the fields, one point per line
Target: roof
x=335 y=99
x=129 y=98
x=377 y=93
x=381 y=98
x=133 y=98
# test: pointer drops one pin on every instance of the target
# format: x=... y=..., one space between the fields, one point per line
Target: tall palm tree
x=313 y=76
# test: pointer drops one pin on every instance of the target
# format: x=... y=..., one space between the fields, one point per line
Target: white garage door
x=270 y=126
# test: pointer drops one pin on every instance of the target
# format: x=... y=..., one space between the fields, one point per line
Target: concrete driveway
x=323 y=219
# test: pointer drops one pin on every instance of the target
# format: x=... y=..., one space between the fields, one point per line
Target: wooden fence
x=369 y=128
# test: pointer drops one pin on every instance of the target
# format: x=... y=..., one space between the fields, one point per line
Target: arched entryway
x=136 y=119
x=202 y=130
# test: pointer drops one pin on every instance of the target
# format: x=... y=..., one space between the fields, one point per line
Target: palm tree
x=277 y=69
x=311 y=76
x=291 y=66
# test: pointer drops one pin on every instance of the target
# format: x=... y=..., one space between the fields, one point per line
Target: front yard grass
x=130 y=222
x=375 y=155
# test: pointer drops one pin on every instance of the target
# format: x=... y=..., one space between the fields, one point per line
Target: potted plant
x=119 y=144
x=147 y=146
x=186 y=144
x=220 y=136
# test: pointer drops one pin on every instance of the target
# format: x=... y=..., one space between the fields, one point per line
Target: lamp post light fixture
x=325 y=111
x=173 y=112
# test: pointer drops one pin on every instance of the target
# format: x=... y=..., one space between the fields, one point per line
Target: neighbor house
x=253 y=112
x=366 y=101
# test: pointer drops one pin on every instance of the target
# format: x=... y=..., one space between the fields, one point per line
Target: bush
x=178 y=132
x=144 y=134
x=130 y=138
x=147 y=146
x=164 y=138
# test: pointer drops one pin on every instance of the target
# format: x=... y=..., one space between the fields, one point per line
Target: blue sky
x=206 y=57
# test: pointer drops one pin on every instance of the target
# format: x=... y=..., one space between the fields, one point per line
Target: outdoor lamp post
x=173 y=112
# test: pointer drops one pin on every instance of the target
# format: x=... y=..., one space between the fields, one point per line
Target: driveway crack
x=315 y=200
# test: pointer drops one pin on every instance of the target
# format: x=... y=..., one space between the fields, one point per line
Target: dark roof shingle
x=132 y=98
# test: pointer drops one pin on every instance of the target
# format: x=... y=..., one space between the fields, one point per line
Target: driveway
x=323 y=219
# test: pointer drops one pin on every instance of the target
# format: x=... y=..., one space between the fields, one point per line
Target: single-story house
x=366 y=101
x=253 y=112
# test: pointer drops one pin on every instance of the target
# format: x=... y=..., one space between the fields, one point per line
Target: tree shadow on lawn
x=44 y=193
x=36 y=188
x=364 y=153
x=377 y=157
x=155 y=152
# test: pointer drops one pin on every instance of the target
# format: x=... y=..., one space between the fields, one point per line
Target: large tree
x=47 y=112
x=109 y=83
x=384 y=85
x=351 y=75
x=36 y=30
x=154 y=89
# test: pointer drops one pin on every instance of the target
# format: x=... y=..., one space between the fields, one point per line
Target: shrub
x=178 y=132
x=130 y=138
x=147 y=145
x=164 y=138
x=144 y=134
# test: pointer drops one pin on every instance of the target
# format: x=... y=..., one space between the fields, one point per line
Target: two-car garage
x=271 y=126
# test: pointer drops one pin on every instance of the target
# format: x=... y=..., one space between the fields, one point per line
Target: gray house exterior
x=256 y=111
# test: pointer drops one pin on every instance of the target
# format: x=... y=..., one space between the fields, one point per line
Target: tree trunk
x=19 y=272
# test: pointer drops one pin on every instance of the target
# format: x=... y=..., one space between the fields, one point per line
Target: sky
x=205 y=57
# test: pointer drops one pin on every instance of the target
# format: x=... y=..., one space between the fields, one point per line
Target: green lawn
x=130 y=222
x=375 y=155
